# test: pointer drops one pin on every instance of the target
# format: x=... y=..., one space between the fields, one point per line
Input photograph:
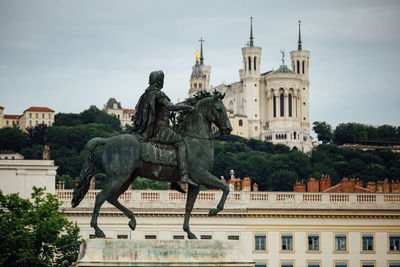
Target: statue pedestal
x=143 y=253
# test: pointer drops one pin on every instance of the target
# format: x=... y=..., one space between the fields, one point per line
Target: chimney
x=325 y=183
x=379 y=187
x=313 y=185
x=246 y=184
x=92 y=185
x=386 y=186
x=347 y=185
x=255 y=187
x=300 y=187
x=359 y=183
x=371 y=186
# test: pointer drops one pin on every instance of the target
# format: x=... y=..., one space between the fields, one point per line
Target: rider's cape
x=145 y=116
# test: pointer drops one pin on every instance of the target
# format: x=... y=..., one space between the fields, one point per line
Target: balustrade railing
x=254 y=199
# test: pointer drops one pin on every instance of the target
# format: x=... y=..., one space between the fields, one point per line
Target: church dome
x=283 y=69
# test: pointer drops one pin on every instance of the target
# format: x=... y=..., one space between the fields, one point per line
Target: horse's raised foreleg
x=100 y=198
x=212 y=182
x=113 y=199
x=193 y=191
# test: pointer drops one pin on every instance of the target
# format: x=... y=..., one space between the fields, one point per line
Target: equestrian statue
x=155 y=150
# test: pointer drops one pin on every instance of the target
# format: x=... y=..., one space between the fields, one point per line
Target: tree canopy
x=35 y=232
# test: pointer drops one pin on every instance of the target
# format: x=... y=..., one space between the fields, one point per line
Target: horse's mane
x=192 y=101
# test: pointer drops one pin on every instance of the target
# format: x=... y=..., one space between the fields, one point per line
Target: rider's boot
x=183 y=165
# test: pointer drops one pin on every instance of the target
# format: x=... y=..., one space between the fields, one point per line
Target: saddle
x=159 y=154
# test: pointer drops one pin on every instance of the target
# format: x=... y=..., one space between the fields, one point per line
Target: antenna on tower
x=299 y=47
x=251 y=32
x=201 y=51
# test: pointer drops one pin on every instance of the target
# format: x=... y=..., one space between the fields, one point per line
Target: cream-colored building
x=273 y=228
x=31 y=117
x=239 y=124
x=276 y=103
x=113 y=107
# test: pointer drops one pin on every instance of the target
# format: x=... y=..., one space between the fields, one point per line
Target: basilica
x=271 y=106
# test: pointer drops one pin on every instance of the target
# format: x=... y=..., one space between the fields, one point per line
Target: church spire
x=299 y=43
x=251 y=32
x=201 y=51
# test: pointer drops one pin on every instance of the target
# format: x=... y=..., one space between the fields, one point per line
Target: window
x=240 y=122
x=394 y=264
x=150 y=237
x=286 y=264
x=367 y=242
x=340 y=242
x=298 y=66
x=205 y=236
x=42 y=115
x=6 y=122
x=233 y=237
x=199 y=85
x=394 y=242
x=30 y=123
x=255 y=63
x=260 y=242
x=287 y=242
x=260 y=264
x=249 y=63
x=302 y=69
x=282 y=103
x=49 y=123
x=178 y=237
x=37 y=115
x=313 y=242
x=294 y=135
x=30 y=115
x=313 y=264
x=340 y=264
x=274 y=103
x=256 y=128
x=368 y=264
x=37 y=123
x=290 y=105
x=122 y=236
x=49 y=116
x=195 y=85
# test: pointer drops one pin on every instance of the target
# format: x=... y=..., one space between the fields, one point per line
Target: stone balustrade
x=141 y=199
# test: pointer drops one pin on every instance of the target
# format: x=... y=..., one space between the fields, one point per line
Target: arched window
x=282 y=103
x=302 y=69
x=199 y=85
x=298 y=66
x=274 y=104
x=255 y=63
x=290 y=105
x=249 y=63
x=240 y=123
x=294 y=135
x=276 y=136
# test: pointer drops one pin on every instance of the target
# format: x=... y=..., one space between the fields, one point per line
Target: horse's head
x=218 y=113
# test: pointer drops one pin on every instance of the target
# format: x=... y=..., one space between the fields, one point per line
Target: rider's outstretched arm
x=171 y=107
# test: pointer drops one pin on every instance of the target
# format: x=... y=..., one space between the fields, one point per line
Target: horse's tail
x=87 y=170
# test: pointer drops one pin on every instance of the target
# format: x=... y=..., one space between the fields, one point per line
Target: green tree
x=13 y=139
x=36 y=135
x=36 y=233
x=323 y=131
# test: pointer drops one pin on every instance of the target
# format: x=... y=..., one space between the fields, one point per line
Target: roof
x=7 y=151
x=284 y=69
x=11 y=116
x=265 y=73
x=42 y=109
x=130 y=111
x=110 y=104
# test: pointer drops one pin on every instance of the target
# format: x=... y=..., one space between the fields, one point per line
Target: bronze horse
x=123 y=161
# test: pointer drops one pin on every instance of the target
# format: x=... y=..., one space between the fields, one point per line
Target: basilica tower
x=250 y=76
x=200 y=78
x=300 y=62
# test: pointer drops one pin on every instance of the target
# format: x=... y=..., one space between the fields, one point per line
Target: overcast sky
x=68 y=55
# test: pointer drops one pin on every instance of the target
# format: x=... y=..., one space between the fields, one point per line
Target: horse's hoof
x=213 y=212
x=191 y=236
x=99 y=234
x=132 y=224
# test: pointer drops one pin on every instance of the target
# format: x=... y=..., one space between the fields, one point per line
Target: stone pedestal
x=144 y=253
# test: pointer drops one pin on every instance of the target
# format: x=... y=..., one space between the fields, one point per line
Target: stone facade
x=114 y=108
x=31 y=117
x=275 y=103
